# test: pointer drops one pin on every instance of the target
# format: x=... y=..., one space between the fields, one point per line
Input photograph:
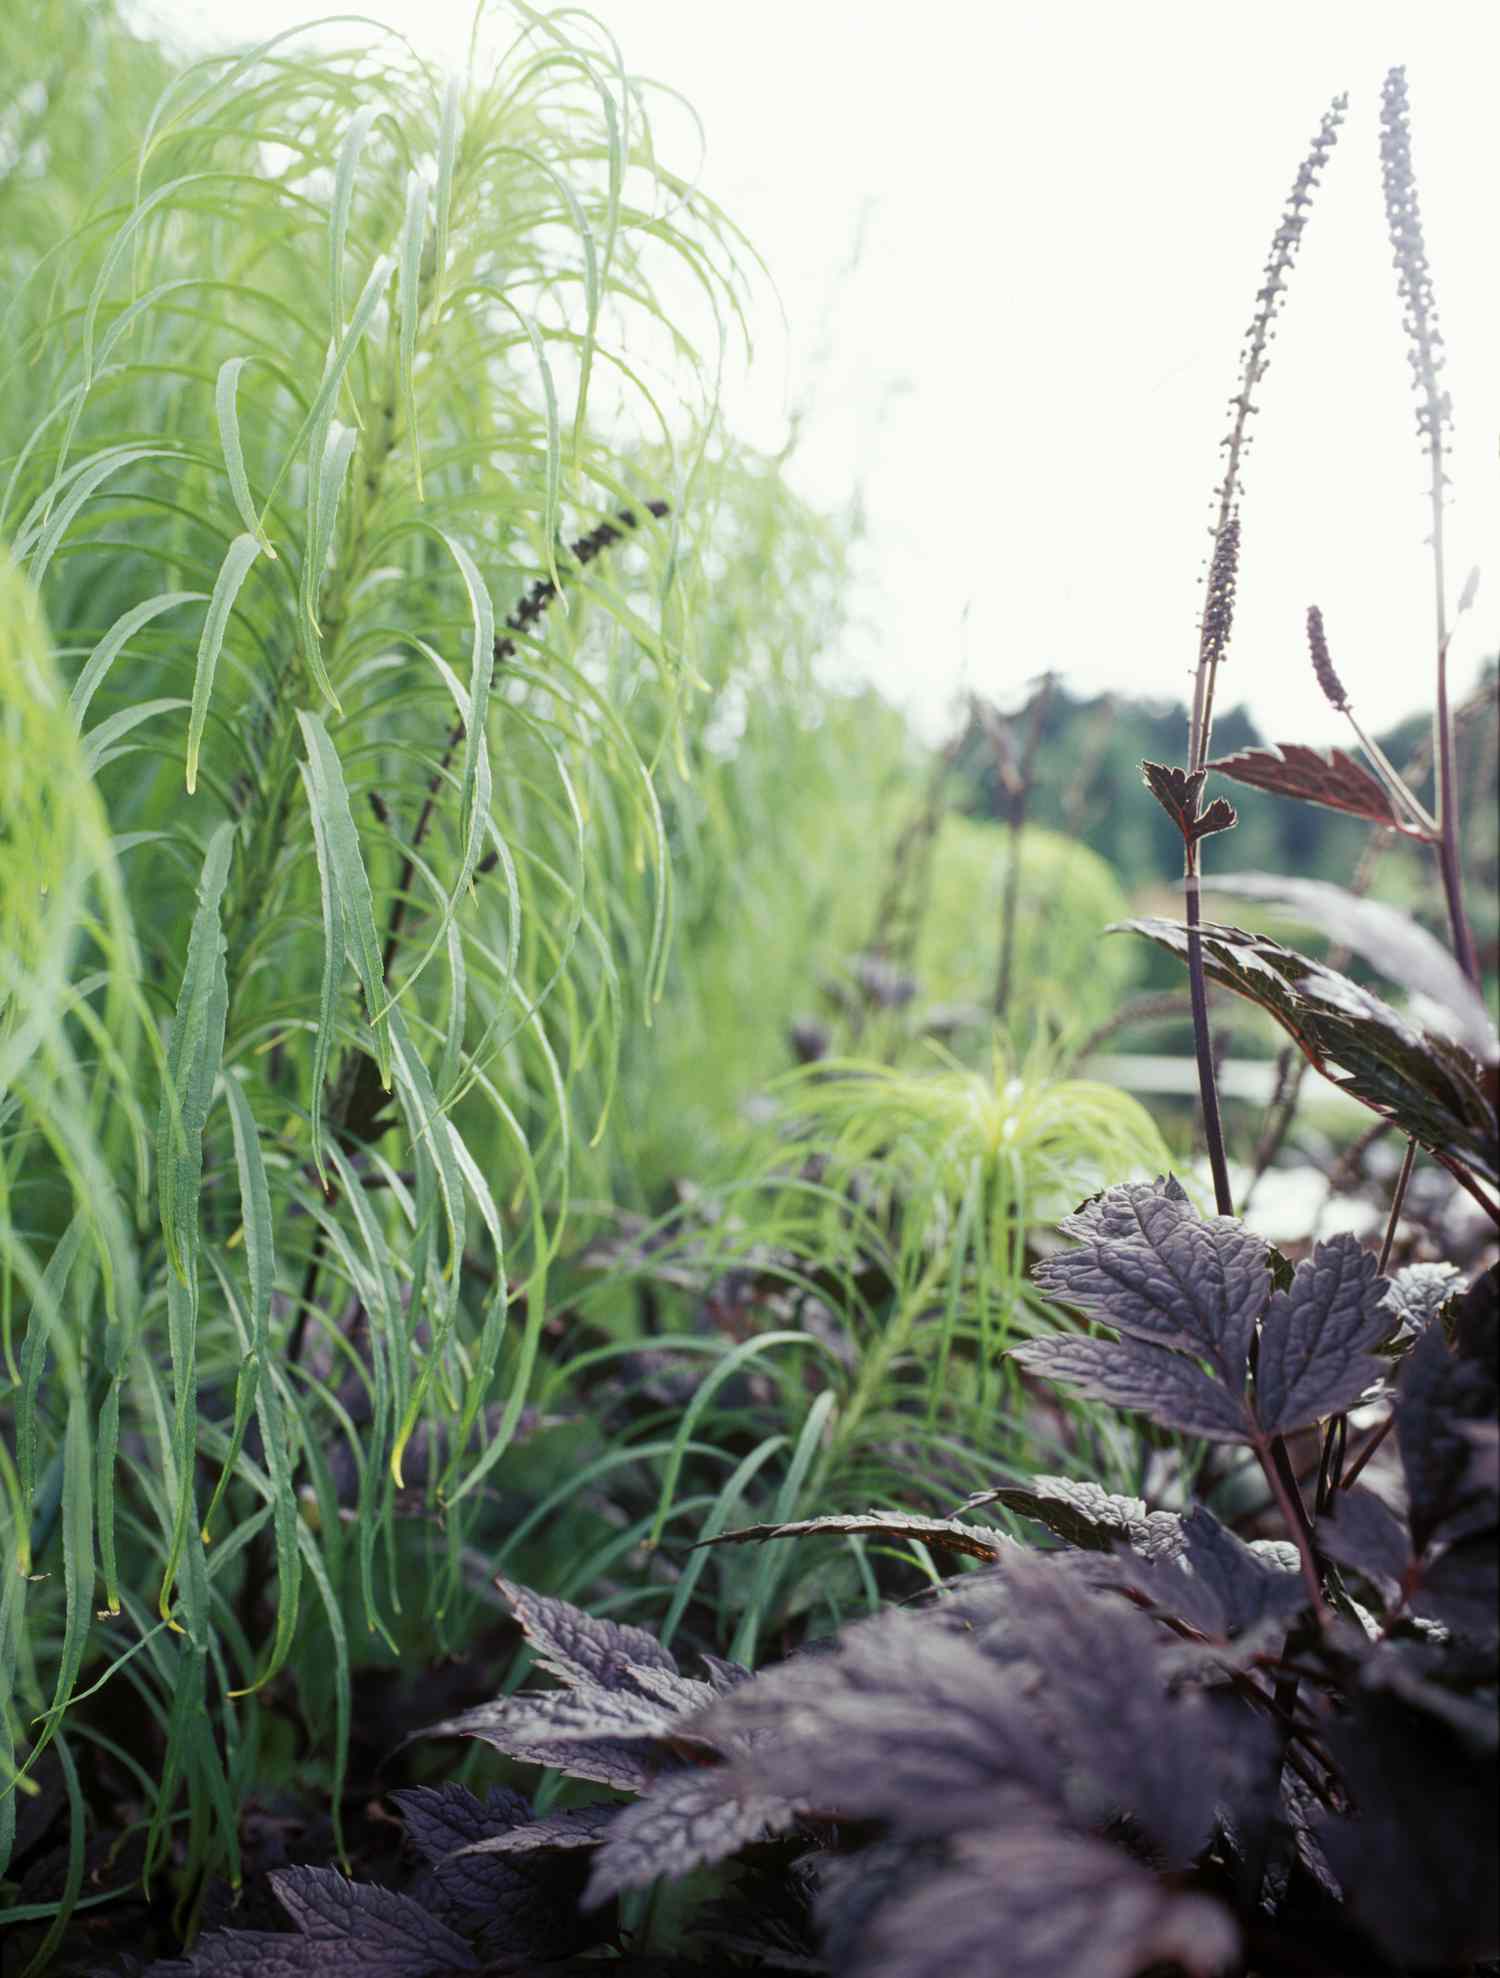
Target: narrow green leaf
x=78 y=1550
x=728 y=1497
x=343 y=200
x=41 y=544
x=447 y=157
x=114 y=641
x=476 y=773
x=330 y=802
x=325 y=481
x=409 y=299
x=234 y=459
x=772 y=1563
x=99 y=743
x=106 y=1447
x=67 y=1897
x=238 y=558
x=553 y=507
x=334 y=950
x=364 y=311
x=194 y=1050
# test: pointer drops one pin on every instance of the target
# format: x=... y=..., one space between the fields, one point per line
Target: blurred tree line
x=1078 y=759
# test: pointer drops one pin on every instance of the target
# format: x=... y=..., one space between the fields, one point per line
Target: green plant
x=320 y=835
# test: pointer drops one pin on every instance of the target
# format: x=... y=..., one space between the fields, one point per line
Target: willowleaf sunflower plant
x=346 y=441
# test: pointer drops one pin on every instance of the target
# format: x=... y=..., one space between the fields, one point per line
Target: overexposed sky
x=1017 y=245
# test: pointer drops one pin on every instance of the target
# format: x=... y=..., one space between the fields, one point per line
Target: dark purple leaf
x=1148 y=1264
x=1166 y=1386
x=904 y=1721
x=1417 y=1861
x=1389 y=940
x=1289 y=769
x=695 y=1817
x=617 y=1739
x=586 y=1653
x=1439 y=1392
x=1366 y=1534
x=977 y=1541
x=439 y=1819
x=575 y=1827
x=1484 y=1464
x=1418 y=1293
x=1041 y=1904
x=683 y=1694
x=267 y=1954
x=1178 y=793
x=725 y=1676
x=1436 y=1090
x=1317 y=1339
x=1098 y=1682
x=1473 y=1323
x=400 y=1939
x=1461 y=1586
x=488 y=1876
x=1247 y=1587
x=1088 y=1516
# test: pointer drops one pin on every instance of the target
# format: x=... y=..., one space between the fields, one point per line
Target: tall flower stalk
x=1177 y=791
x=1427 y=358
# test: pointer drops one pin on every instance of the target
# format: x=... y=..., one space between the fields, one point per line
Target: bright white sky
x=1061 y=208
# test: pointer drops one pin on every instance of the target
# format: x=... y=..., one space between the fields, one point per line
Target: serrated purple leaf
x=439 y=1819
x=1128 y=1374
x=614 y=1739
x=1433 y=1087
x=724 y=1676
x=684 y=1822
x=268 y=1954
x=1088 y=1516
x=1052 y=1904
x=1317 y=1340
x=574 y=1827
x=1248 y=1588
x=684 y=1694
x=1149 y=1265
x=904 y=1721
x=490 y=1874
x=407 y=1940
x=1366 y=1534
x=1439 y=1393
x=1417 y=1294
x=1461 y=1587
x=587 y=1653
x=1417 y=1864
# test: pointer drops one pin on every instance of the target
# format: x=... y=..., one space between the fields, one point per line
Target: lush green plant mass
x=428 y=846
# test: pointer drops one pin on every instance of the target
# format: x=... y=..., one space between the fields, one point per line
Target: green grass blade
x=343 y=201
x=408 y=305
x=364 y=312
x=226 y=409
x=238 y=558
x=125 y=627
x=448 y=139
x=330 y=798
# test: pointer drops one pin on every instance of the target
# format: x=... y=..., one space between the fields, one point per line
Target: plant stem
x=1330 y=1471
x=1351 y=1475
x=1279 y=1475
x=1408 y=1162
x=1449 y=860
x=1467 y=1182
x=1213 y=1126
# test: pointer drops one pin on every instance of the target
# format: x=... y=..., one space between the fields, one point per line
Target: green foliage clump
x=1065 y=978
